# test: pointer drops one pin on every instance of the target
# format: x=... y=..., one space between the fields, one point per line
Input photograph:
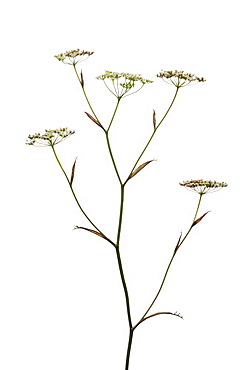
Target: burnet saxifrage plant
x=122 y=85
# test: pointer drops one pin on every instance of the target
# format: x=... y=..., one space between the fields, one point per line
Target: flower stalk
x=76 y=199
x=152 y=135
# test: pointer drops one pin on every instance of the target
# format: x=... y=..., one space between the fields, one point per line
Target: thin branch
x=158 y=313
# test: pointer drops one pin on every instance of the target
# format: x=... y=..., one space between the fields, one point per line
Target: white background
x=62 y=303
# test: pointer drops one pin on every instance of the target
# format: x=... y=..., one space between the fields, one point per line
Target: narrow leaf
x=139 y=169
x=73 y=169
x=199 y=219
x=81 y=79
x=177 y=246
x=154 y=119
x=90 y=230
x=94 y=120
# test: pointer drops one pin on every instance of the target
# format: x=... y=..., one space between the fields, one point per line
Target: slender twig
x=76 y=199
x=111 y=121
x=169 y=265
x=117 y=105
x=151 y=137
x=82 y=86
x=112 y=157
x=158 y=313
x=192 y=224
x=159 y=290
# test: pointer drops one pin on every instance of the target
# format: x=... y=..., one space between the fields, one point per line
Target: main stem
x=123 y=278
x=131 y=331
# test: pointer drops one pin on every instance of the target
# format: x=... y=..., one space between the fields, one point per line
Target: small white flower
x=203 y=187
x=179 y=78
x=74 y=56
x=122 y=82
x=50 y=137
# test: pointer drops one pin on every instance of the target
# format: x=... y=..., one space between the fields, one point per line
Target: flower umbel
x=179 y=78
x=122 y=82
x=74 y=56
x=50 y=138
x=203 y=187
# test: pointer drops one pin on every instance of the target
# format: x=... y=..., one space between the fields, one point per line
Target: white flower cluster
x=202 y=187
x=74 y=56
x=127 y=81
x=179 y=78
x=127 y=76
x=50 y=137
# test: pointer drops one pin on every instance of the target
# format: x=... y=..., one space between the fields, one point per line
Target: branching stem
x=170 y=263
x=151 y=137
x=76 y=199
x=122 y=187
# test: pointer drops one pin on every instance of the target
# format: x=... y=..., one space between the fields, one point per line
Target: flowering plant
x=122 y=85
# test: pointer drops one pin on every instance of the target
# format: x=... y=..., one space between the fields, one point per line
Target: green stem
x=112 y=157
x=129 y=348
x=123 y=278
x=121 y=201
x=124 y=287
x=122 y=193
x=131 y=329
x=169 y=265
x=106 y=131
x=76 y=199
x=120 y=217
x=85 y=94
x=118 y=243
x=199 y=202
x=162 y=283
x=108 y=142
x=119 y=259
x=151 y=137
x=117 y=105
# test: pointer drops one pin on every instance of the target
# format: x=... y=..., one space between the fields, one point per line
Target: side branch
x=76 y=199
x=155 y=129
x=179 y=243
x=96 y=233
x=158 y=313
